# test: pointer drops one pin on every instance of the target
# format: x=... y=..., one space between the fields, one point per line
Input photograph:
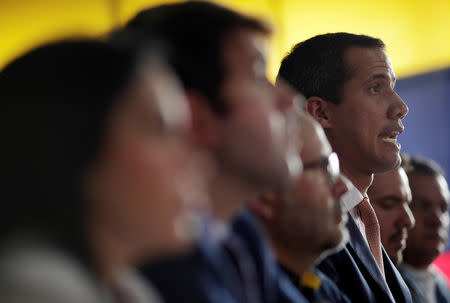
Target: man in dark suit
x=307 y=221
x=240 y=118
x=430 y=198
x=349 y=82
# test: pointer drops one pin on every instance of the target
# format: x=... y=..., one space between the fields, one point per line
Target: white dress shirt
x=350 y=200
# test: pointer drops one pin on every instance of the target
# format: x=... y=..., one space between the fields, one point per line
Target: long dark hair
x=53 y=102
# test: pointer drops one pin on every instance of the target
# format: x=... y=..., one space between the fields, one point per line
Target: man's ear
x=205 y=126
x=264 y=206
x=320 y=110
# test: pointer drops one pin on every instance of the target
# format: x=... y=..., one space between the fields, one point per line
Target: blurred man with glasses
x=307 y=222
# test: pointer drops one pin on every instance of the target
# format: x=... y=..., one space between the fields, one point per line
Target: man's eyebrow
x=392 y=198
x=383 y=77
x=422 y=200
x=378 y=76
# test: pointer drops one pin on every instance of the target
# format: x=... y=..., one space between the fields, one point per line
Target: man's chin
x=387 y=163
x=398 y=161
x=398 y=259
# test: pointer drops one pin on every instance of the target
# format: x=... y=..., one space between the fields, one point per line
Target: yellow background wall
x=417 y=32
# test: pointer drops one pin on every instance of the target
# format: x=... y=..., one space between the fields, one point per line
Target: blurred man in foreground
x=97 y=161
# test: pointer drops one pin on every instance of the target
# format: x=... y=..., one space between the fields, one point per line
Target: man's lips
x=390 y=133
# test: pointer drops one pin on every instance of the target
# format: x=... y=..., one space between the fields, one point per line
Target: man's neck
x=417 y=262
x=109 y=256
x=361 y=181
x=297 y=262
x=422 y=268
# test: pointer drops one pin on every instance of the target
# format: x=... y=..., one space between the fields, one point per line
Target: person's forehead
x=367 y=62
x=244 y=46
x=392 y=182
x=164 y=95
x=405 y=183
x=429 y=186
x=444 y=188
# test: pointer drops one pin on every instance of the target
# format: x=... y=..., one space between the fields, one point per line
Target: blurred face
x=430 y=208
x=255 y=141
x=310 y=211
x=390 y=197
x=148 y=176
x=368 y=120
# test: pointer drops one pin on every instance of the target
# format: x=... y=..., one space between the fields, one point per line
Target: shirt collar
x=352 y=197
x=428 y=272
x=425 y=278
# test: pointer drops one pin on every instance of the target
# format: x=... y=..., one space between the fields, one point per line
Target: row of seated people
x=411 y=203
x=159 y=164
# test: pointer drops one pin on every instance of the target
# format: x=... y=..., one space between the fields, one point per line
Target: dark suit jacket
x=212 y=274
x=326 y=292
x=356 y=273
x=275 y=285
x=442 y=290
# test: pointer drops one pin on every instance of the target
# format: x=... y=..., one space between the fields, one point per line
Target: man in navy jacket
x=220 y=58
x=348 y=82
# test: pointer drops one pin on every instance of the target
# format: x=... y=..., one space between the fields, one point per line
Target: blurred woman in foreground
x=100 y=174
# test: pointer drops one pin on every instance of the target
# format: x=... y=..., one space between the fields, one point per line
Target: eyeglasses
x=331 y=164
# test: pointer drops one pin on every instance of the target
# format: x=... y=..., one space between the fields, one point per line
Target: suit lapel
x=361 y=251
x=221 y=265
x=395 y=281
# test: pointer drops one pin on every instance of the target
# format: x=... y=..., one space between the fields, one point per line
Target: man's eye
x=425 y=207
x=374 y=89
x=388 y=204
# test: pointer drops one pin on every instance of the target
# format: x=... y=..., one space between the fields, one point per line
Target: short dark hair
x=422 y=165
x=194 y=31
x=316 y=67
